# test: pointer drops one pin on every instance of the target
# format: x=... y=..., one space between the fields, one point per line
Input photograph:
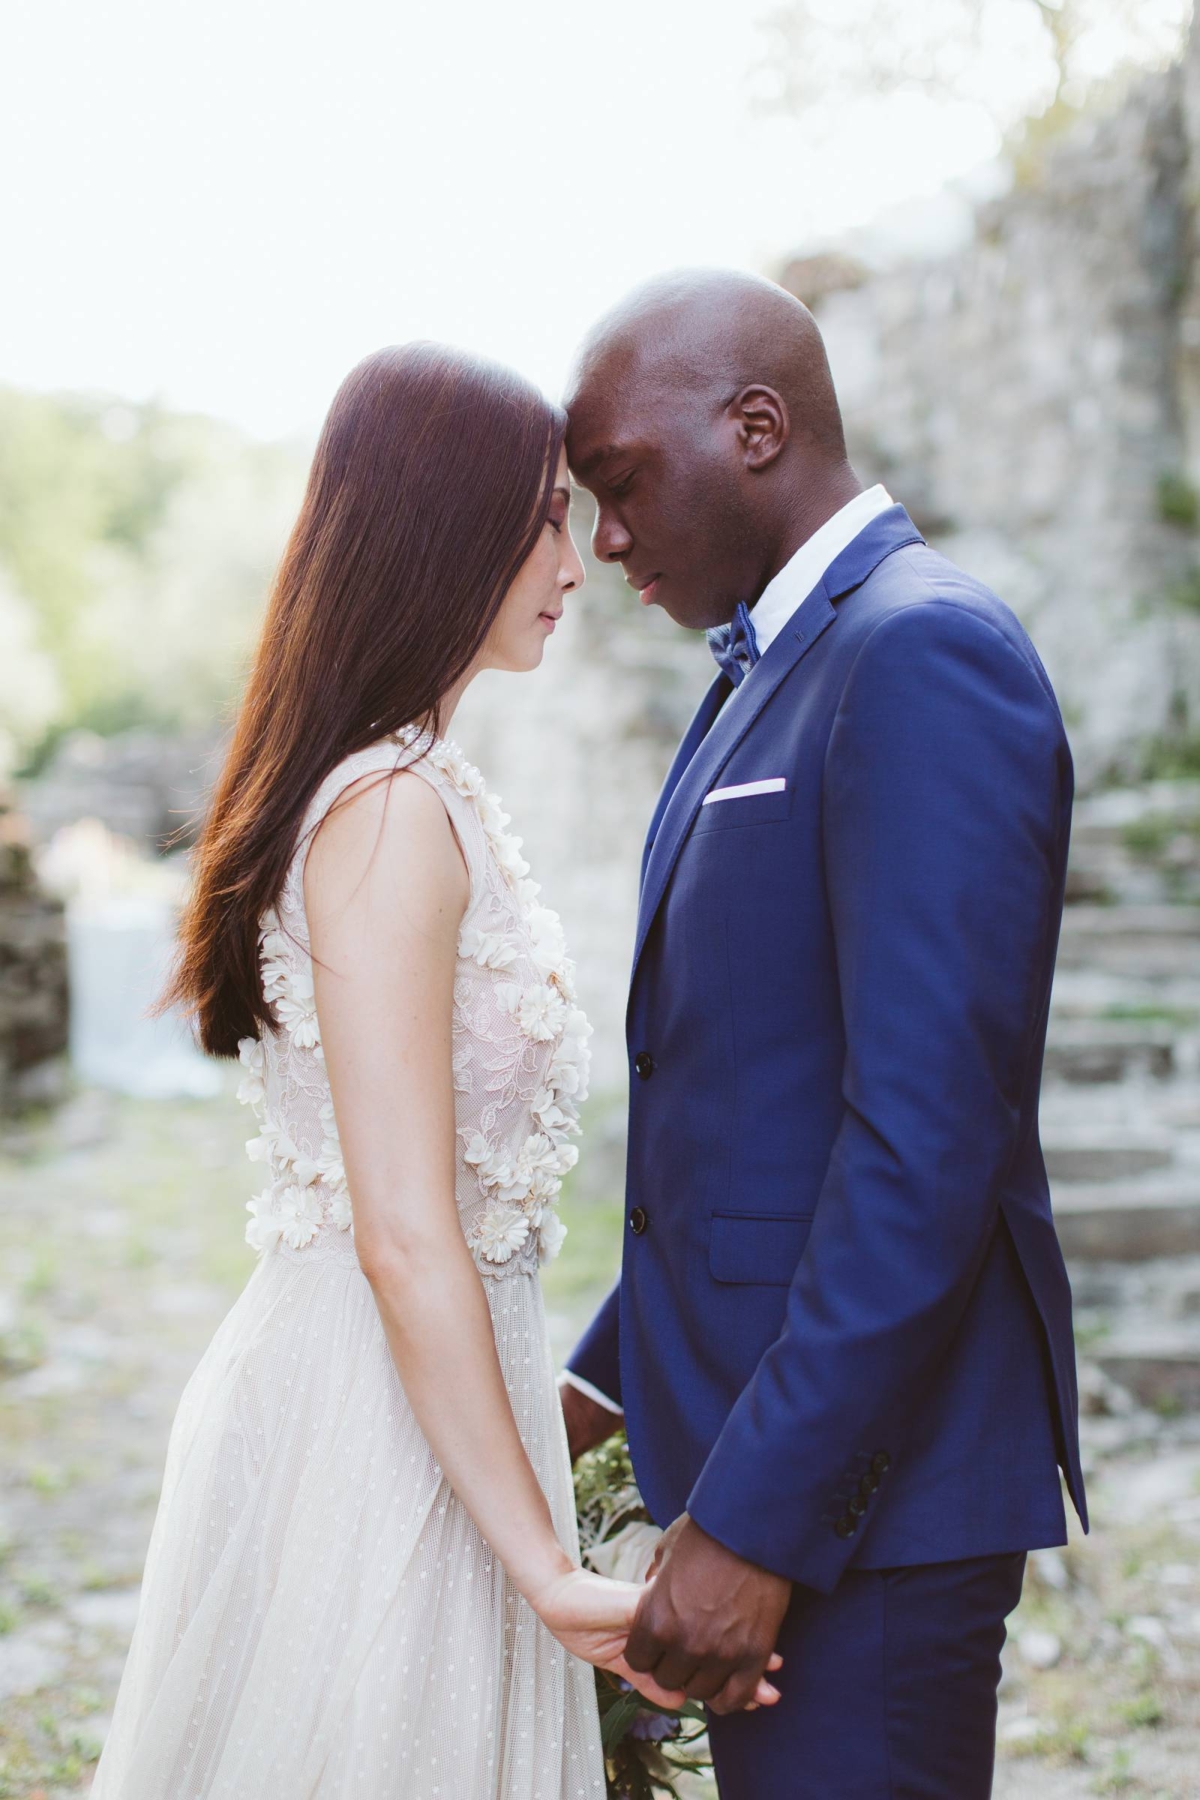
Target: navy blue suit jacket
x=842 y=1332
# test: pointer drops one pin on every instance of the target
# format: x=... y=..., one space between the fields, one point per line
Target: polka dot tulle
x=320 y=1618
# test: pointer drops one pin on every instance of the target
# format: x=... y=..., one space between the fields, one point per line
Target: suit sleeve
x=946 y=810
x=596 y=1357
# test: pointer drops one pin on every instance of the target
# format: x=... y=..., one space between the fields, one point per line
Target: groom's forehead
x=592 y=458
x=604 y=424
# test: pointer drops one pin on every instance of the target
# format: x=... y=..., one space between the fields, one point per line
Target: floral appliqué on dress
x=520 y=1058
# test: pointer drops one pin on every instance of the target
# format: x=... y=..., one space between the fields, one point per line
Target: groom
x=842 y=1335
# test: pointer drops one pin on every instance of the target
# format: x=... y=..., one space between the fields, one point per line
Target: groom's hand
x=709 y=1621
x=588 y=1424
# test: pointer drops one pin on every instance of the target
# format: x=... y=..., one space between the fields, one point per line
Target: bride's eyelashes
x=560 y=511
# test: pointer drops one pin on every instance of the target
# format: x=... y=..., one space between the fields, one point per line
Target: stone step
x=1137 y=845
x=1094 y=1156
x=1117 y=1000
x=1093 y=1050
x=1158 y=1364
x=1158 y=1291
x=1158 y=943
x=1097 y=879
x=1151 y=919
x=1108 y=878
x=1128 y=1222
x=1134 y=818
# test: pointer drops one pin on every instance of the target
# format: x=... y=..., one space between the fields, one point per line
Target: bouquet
x=646 y=1747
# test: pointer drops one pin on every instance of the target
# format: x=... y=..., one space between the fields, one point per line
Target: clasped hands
x=707 y=1623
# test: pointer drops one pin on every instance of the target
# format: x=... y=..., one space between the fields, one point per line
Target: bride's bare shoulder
x=386 y=833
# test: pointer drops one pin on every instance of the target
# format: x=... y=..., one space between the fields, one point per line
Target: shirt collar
x=798 y=577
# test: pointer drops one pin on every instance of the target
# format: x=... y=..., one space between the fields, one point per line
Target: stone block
x=1161 y=1366
x=1090 y=1051
x=1094 y=1159
x=1158 y=943
x=33 y=976
x=1127 y=1222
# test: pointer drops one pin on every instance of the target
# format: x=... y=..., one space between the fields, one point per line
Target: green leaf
x=618 y=1717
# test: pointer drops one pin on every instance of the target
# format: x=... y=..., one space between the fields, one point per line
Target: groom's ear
x=763 y=424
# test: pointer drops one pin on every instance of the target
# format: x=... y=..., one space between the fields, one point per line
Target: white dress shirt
x=593 y=1393
x=797 y=578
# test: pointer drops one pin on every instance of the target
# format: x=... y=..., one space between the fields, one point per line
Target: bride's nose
x=572 y=574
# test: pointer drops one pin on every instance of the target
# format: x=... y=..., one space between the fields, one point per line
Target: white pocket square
x=775 y=786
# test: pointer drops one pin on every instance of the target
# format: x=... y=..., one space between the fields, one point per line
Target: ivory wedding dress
x=320 y=1618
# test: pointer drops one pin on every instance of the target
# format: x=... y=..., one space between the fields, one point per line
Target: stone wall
x=143 y=785
x=33 y=976
x=1032 y=400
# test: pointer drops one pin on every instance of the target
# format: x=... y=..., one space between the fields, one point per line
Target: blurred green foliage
x=136 y=546
x=1177 y=500
x=1172 y=759
x=1185 y=594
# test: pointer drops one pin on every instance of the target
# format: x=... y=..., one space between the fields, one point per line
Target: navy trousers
x=888 y=1689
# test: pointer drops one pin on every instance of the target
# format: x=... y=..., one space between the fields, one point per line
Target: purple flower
x=654 y=1727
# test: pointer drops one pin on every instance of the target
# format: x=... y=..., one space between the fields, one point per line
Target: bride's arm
x=385 y=891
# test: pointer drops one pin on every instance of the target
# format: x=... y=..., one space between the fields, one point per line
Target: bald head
x=703 y=418
x=713 y=332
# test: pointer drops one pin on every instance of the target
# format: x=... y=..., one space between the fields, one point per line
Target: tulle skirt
x=320 y=1618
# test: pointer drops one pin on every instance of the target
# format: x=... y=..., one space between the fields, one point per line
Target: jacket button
x=643 y=1064
x=638 y=1221
x=857 y=1507
x=868 y=1484
x=881 y=1462
x=846 y=1527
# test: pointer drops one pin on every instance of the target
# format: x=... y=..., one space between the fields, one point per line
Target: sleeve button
x=846 y=1527
x=881 y=1462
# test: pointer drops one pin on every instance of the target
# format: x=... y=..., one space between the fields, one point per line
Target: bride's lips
x=550 y=620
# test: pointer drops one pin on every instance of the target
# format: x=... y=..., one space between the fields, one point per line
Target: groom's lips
x=645 y=588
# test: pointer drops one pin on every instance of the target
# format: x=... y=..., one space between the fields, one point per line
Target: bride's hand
x=591 y=1617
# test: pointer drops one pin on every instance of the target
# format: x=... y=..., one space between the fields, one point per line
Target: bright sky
x=228 y=202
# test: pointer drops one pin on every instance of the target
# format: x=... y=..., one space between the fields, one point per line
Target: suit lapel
x=716 y=732
x=693 y=737
x=728 y=730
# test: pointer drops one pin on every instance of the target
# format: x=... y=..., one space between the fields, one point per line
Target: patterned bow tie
x=734 y=646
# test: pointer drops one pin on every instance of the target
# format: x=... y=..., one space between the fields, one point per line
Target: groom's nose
x=610 y=538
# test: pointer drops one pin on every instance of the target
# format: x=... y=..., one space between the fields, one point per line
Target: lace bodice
x=520 y=1050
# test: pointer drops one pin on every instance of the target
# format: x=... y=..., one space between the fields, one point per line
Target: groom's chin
x=688 y=605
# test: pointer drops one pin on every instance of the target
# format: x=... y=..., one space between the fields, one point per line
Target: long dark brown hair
x=430 y=485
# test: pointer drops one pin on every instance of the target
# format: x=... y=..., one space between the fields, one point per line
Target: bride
x=363 y=1579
